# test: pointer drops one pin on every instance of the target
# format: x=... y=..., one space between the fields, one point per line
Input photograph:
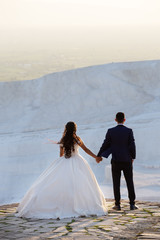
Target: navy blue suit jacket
x=120 y=143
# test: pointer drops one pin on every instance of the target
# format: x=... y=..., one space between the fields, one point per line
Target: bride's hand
x=50 y=141
x=98 y=159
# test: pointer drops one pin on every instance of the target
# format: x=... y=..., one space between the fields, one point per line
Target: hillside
x=34 y=110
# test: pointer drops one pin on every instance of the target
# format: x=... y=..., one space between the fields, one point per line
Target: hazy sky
x=43 y=36
x=31 y=13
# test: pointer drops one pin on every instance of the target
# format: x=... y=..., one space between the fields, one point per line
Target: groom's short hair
x=120 y=117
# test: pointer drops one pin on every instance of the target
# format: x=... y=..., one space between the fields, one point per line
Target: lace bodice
x=76 y=149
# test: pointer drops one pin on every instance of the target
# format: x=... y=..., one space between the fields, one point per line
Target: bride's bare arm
x=61 y=151
x=81 y=144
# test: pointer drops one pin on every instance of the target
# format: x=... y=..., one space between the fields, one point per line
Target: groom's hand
x=98 y=159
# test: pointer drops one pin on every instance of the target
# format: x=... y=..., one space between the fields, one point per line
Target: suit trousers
x=127 y=169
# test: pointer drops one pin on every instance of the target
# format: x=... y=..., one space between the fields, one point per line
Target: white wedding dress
x=67 y=188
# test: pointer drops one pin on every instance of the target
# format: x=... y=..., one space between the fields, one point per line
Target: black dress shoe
x=117 y=207
x=133 y=207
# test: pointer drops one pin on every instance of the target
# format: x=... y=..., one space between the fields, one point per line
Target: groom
x=120 y=143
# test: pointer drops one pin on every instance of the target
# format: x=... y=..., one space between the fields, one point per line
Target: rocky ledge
x=143 y=223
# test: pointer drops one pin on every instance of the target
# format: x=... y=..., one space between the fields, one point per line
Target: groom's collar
x=120 y=124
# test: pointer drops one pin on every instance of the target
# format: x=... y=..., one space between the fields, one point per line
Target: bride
x=68 y=187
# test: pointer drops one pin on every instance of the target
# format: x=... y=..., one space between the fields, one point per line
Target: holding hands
x=98 y=159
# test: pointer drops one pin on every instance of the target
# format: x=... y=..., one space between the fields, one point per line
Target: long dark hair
x=69 y=138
